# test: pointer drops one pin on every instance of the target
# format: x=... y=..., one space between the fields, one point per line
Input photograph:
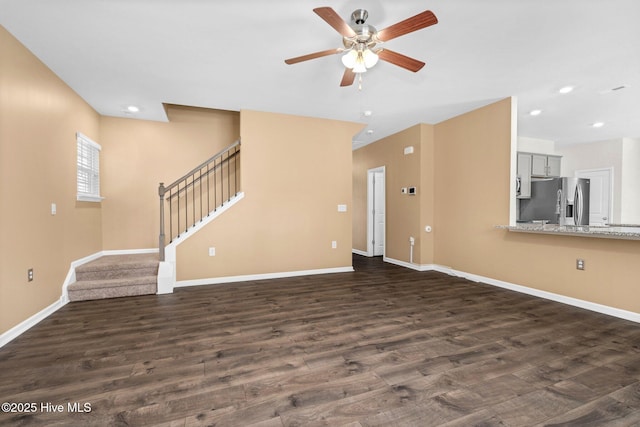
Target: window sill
x=89 y=198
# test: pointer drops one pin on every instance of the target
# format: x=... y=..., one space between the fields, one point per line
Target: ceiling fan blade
x=348 y=77
x=312 y=56
x=400 y=60
x=332 y=18
x=409 y=25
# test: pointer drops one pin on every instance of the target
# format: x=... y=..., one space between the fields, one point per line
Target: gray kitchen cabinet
x=538 y=165
x=544 y=165
x=523 y=183
x=553 y=165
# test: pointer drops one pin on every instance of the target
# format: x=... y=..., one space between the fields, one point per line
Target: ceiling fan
x=360 y=40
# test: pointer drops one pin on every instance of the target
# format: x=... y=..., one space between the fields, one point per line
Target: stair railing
x=198 y=193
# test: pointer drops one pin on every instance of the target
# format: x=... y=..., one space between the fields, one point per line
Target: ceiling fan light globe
x=350 y=59
x=359 y=67
x=370 y=58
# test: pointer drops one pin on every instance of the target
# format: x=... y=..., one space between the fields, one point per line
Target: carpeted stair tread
x=109 y=262
x=104 y=293
x=117 y=272
x=113 y=283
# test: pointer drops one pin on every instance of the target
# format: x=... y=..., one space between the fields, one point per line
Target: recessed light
x=597 y=124
x=370 y=132
x=133 y=109
x=565 y=89
x=367 y=113
x=535 y=112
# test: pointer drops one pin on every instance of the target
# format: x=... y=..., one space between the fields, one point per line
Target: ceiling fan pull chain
x=359 y=81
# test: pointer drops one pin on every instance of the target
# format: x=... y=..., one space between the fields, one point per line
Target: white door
x=599 y=194
x=376 y=212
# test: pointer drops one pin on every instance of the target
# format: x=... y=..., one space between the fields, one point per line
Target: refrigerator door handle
x=578 y=205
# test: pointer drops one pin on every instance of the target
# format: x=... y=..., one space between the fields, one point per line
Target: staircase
x=191 y=202
x=115 y=276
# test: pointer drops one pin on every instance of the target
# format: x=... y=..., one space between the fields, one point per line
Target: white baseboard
x=359 y=252
x=417 y=267
x=22 y=327
x=265 y=276
x=207 y=219
x=587 y=305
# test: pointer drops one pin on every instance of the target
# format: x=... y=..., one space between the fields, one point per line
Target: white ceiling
x=229 y=54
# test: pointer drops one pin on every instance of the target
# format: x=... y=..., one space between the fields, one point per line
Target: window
x=88 y=169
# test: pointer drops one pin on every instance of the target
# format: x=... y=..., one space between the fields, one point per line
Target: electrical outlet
x=212 y=251
x=30 y=275
x=334 y=244
x=580 y=264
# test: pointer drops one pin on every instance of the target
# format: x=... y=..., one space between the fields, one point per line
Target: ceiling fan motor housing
x=365 y=33
x=359 y=16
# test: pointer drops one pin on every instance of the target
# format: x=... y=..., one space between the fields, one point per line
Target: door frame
x=370 y=200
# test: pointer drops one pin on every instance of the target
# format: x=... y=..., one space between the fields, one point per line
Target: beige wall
x=427 y=194
x=39 y=118
x=468 y=160
x=405 y=215
x=472 y=186
x=295 y=172
x=139 y=154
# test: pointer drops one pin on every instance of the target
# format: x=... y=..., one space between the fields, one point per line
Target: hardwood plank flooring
x=382 y=346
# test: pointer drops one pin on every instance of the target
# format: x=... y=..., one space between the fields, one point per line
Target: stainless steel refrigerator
x=563 y=201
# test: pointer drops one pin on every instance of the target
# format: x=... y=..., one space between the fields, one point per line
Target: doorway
x=599 y=194
x=376 y=211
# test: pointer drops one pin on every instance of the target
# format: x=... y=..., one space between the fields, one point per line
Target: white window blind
x=88 y=169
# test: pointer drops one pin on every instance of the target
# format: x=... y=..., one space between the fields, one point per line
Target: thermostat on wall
x=412 y=191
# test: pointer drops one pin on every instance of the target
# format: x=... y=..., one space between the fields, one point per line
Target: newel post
x=161 y=245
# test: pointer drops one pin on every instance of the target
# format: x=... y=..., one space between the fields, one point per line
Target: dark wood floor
x=381 y=346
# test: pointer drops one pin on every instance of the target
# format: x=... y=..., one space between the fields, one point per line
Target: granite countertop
x=608 y=232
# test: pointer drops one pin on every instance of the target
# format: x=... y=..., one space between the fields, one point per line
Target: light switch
x=342 y=208
x=212 y=251
x=54 y=209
